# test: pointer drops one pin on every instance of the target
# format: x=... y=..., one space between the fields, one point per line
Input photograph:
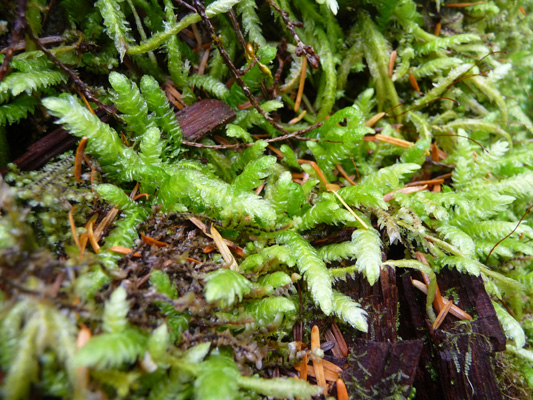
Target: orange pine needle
x=83 y=243
x=193 y=260
x=356 y=170
x=208 y=249
x=411 y=189
x=317 y=169
x=92 y=176
x=438 y=27
x=73 y=226
x=151 y=241
x=203 y=63
x=375 y=119
x=454 y=310
x=392 y=61
x=245 y=106
x=79 y=156
x=84 y=335
x=92 y=239
x=298 y=118
x=438 y=302
x=392 y=140
x=86 y=103
x=442 y=314
x=428 y=182
x=302 y=84
x=260 y=189
x=330 y=337
x=303 y=372
x=138 y=196
x=414 y=83
x=434 y=152
x=329 y=375
x=275 y=150
x=343 y=172
x=317 y=363
x=342 y=392
x=343 y=347
x=110 y=216
x=124 y=250
x=465 y=4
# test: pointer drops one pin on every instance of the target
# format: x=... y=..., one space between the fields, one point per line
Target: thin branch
x=75 y=78
x=301 y=48
x=18 y=27
x=293 y=135
x=225 y=56
x=510 y=233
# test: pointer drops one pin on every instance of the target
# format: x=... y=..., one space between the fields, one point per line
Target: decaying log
x=379 y=367
x=196 y=121
x=452 y=362
x=379 y=370
x=455 y=362
x=380 y=301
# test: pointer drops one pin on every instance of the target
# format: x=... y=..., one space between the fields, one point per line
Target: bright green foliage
x=254 y=173
x=210 y=85
x=312 y=268
x=116 y=309
x=16 y=110
x=270 y=311
x=120 y=344
x=159 y=105
x=325 y=211
x=225 y=286
x=201 y=193
x=349 y=311
x=367 y=250
x=286 y=195
x=81 y=122
x=288 y=388
x=19 y=82
x=116 y=25
x=377 y=55
x=195 y=327
x=127 y=98
x=112 y=350
x=251 y=22
x=217 y=379
x=513 y=330
x=162 y=284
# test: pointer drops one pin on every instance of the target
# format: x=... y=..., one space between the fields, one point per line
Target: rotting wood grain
x=197 y=121
x=455 y=362
x=204 y=117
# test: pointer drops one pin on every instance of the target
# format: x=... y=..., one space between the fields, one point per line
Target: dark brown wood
x=455 y=362
x=204 y=117
x=50 y=146
x=380 y=301
x=196 y=121
x=380 y=370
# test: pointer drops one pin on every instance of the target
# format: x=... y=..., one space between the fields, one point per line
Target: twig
x=293 y=135
x=19 y=26
x=510 y=233
x=301 y=48
x=225 y=56
x=237 y=28
x=75 y=78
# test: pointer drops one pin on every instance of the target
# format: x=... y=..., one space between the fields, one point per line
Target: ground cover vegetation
x=150 y=264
